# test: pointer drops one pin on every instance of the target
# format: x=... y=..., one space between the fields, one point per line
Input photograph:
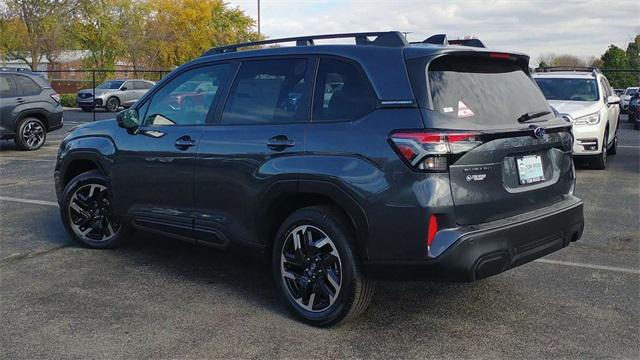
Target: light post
x=258 y=19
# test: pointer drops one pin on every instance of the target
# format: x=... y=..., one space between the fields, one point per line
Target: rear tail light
x=433 y=151
x=432 y=230
x=56 y=97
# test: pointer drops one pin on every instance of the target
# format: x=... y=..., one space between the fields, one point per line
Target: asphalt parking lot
x=158 y=298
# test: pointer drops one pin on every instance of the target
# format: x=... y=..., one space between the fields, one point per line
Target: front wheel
x=315 y=268
x=86 y=212
x=600 y=160
x=112 y=104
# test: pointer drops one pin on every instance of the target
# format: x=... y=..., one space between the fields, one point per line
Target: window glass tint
x=605 y=88
x=342 y=92
x=267 y=91
x=26 y=86
x=110 y=85
x=483 y=91
x=7 y=86
x=175 y=105
x=568 y=89
x=141 y=85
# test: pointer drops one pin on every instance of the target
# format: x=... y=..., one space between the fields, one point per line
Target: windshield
x=111 y=85
x=630 y=91
x=568 y=89
x=486 y=91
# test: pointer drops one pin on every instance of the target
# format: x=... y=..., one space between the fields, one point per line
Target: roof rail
x=568 y=68
x=386 y=38
x=594 y=71
x=441 y=39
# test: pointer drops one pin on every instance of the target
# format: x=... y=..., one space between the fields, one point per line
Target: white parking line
x=589 y=266
x=29 y=201
x=23 y=158
x=544 y=261
x=629 y=146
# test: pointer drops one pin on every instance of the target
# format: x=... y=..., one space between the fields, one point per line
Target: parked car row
x=113 y=94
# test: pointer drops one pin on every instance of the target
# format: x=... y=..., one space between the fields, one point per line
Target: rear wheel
x=86 y=212
x=31 y=134
x=315 y=268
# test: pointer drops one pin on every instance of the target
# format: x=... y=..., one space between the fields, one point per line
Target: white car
x=626 y=96
x=587 y=100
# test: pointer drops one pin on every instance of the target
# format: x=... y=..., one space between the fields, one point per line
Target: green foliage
x=68 y=100
x=145 y=34
x=616 y=58
x=633 y=57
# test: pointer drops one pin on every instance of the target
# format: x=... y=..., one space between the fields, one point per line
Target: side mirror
x=123 y=88
x=128 y=119
x=613 y=100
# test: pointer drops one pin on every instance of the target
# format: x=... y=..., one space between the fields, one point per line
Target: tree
x=183 y=29
x=633 y=57
x=616 y=58
x=560 y=60
x=97 y=29
x=33 y=29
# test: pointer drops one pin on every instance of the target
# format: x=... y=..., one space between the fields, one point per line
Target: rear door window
x=483 y=91
x=26 y=86
x=7 y=86
x=267 y=92
x=342 y=92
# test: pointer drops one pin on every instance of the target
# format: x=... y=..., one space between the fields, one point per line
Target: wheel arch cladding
x=84 y=154
x=277 y=208
x=34 y=114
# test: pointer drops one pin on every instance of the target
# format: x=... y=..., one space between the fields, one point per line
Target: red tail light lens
x=56 y=97
x=433 y=151
x=432 y=230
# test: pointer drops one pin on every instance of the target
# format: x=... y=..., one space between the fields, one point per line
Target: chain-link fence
x=68 y=82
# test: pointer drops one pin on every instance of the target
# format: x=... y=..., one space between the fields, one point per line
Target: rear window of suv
x=483 y=91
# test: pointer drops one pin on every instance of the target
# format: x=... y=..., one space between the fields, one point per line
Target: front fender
x=96 y=149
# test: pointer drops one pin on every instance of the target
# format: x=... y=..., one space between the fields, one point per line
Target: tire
x=85 y=207
x=600 y=160
x=86 y=109
x=613 y=149
x=112 y=104
x=337 y=290
x=31 y=134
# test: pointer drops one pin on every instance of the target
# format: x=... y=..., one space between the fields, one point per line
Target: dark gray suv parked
x=29 y=108
x=340 y=163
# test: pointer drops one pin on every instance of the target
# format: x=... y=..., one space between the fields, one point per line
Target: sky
x=582 y=28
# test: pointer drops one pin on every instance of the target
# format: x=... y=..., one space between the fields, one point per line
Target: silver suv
x=112 y=94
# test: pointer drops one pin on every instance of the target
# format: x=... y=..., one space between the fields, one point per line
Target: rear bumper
x=55 y=120
x=487 y=249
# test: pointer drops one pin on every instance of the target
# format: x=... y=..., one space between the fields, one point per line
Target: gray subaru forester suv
x=29 y=108
x=339 y=163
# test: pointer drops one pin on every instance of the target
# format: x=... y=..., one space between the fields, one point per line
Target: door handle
x=280 y=142
x=19 y=100
x=185 y=142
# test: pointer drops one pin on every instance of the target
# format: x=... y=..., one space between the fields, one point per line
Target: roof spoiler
x=441 y=39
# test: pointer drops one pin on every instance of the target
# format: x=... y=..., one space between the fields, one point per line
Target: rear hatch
x=514 y=154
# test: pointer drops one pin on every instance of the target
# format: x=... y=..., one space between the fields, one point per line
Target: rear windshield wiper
x=531 y=115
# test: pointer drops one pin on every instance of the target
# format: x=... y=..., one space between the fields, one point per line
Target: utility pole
x=258 y=19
